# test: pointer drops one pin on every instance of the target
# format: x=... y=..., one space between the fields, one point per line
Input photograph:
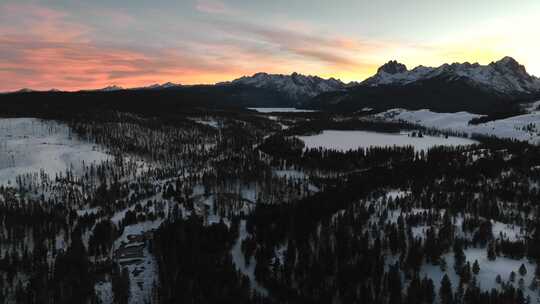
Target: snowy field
x=488 y=271
x=30 y=145
x=277 y=110
x=350 y=140
x=522 y=127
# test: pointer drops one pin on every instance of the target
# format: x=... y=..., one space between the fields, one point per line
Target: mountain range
x=505 y=76
x=296 y=87
x=493 y=88
x=498 y=87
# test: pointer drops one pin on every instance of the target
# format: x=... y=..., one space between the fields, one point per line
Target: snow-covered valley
x=524 y=127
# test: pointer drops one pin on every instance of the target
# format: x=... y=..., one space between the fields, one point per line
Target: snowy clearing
x=31 y=145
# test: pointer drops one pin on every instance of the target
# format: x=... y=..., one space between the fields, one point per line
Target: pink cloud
x=41 y=48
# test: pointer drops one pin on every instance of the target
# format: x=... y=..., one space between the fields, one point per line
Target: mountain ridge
x=505 y=76
x=494 y=88
x=295 y=86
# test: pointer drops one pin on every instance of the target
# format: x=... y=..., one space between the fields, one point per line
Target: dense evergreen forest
x=225 y=205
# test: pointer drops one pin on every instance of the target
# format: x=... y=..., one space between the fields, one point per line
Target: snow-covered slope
x=158 y=86
x=505 y=76
x=294 y=86
x=522 y=127
x=111 y=88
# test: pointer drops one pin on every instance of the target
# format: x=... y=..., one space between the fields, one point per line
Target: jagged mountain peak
x=510 y=65
x=508 y=61
x=392 y=67
x=295 y=86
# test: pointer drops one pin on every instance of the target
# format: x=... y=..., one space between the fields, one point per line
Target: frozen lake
x=275 y=110
x=351 y=140
x=30 y=145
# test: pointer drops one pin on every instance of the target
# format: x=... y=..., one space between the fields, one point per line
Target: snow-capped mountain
x=111 y=88
x=505 y=76
x=295 y=86
x=25 y=90
x=158 y=86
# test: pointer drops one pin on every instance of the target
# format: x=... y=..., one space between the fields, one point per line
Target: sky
x=75 y=44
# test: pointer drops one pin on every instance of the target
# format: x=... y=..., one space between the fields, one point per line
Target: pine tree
x=445 y=292
x=394 y=284
x=120 y=286
x=534 y=284
x=414 y=291
x=521 y=283
x=476 y=267
x=428 y=290
x=491 y=254
x=442 y=264
x=459 y=256
x=522 y=270
x=512 y=277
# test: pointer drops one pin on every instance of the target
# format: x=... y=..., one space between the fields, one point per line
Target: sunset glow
x=70 y=45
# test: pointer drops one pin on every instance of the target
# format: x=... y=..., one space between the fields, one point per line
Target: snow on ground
x=137 y=229
x=395 y=193
x=351 y=140
x=532 y=107
x=143 y=271
x=142 y=277
x=88 y=211
x=211 y=215
x=277 y=110
x=119 y=215
x=60 y=241
x=104 y=292
x=488 y=271
x=208 y=122
x=516 y=127
x=248 y=269
x=507 y=231
x=293 y=174
x=249 y=192
x=31 y=145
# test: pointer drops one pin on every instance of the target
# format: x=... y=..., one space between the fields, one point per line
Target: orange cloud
x=42 y=48
x=54 y=52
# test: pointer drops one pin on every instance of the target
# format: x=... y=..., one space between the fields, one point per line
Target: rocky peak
x=509 y=65
x=392 y=67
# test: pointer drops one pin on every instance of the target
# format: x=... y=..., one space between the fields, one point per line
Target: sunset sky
x=74 y=44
